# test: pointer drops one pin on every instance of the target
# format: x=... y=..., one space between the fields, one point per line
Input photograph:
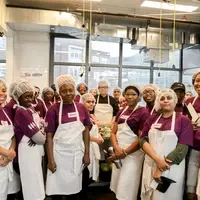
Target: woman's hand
x=31 y=143
x=100 y=140
x=157 y=175
x=52 y=166
x=86 y=159
x=11 y=154
x=4 y=161
x=119 y=152
x=194 y=125
x=162 y=164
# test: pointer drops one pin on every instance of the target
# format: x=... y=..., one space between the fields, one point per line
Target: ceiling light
x=94 y=0
x=169 y=6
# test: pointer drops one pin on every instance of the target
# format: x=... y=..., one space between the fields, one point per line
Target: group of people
x=53 y=145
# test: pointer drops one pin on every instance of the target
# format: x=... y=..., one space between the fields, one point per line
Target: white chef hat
x=86 y=96
x=103 y=83
x=162 y=92
x=195 y=75
x=12 y=88
x=22 y=88
x=64 y=79
x=151 y=87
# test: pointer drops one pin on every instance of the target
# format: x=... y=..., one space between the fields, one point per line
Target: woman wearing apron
x=95 y=139
x=149 y=96
x=30 y=143
x=82 y=89
x=47 y=96
x=67 y=127
x=9 y=181
x=166 y=138
x=125 y=140
x=193 y=180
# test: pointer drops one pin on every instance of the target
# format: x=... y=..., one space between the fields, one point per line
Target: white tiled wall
x=28 y=57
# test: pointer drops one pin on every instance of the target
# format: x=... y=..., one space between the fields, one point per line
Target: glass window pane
x=187 y=79
x=101 y=73
x=164 y=79
x=2 y=48
x=3 y=70
x=139 y=77
x=105 y=52
x=75 y=71
x=133 y=56
x=173 y=59
x=69 y=50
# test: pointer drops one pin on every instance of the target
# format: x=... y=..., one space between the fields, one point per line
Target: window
x=101 y=73
x=3 y=71
x=75 y=71
x=107 y=52
x=137 y=77
x=191 y=60
x=171 y=59
x=69 y=50
x=164 y=79
x=133 y=57
x=2 y=48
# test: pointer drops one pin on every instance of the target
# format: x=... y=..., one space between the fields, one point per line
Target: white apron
x=193 y=175
x=163 y=142
x=68 y=156
x=94 y=154
x=9 y=180
x=103 y=112
x=30 y=165
x=126 y=180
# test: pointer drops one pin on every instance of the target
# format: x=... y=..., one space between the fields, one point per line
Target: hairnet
x=78 y=86
x=3 y=82
x=86 y=96
x=22 y=88
x=64 y=79
x=162 y=92
x=195 y=75
x=117 y=88
x=47 y=89
x=151 y=87
x=103 y=83
x=133 y=87
x=11 y=88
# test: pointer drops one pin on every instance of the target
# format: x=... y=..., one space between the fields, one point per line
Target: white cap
x=151 y=87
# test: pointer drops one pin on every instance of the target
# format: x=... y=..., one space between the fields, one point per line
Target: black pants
x=11 y=197
x=65 y=197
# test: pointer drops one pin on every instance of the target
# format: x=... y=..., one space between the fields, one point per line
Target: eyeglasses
x=90 y=101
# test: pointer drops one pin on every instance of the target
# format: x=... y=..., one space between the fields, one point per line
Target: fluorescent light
x=94 y=0
x=169 y=6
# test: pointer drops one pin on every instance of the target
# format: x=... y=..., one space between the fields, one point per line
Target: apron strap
x=98 y=99
x=130 y=113
x=158 y=119
x=173 y=121
x=7 y=117
x=108 y=99
x=151 y=113
x=45 y=106
x=194 y=100
x=61 y=109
